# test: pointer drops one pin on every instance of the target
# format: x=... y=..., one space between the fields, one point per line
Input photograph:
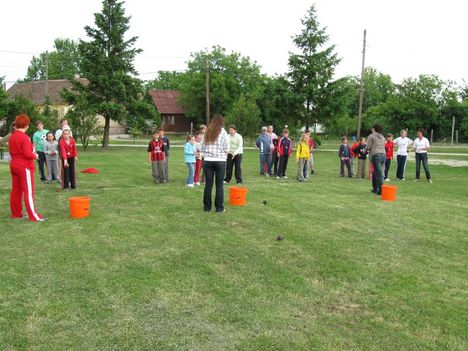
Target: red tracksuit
x=22 y=175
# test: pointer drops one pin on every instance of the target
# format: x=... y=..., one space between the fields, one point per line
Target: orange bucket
x=237 y=196
x=389 y=192
x=79 y=206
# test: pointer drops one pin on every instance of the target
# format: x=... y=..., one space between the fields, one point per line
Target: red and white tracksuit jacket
x=22 y=174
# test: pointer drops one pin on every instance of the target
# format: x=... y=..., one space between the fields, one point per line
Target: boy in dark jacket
x=344 y=153
x=360 y=151
x=284 y=151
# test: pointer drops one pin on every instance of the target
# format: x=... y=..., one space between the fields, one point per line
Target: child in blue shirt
x=189 y=157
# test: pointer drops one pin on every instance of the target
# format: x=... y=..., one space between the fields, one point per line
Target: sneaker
x=416 y=180
x=224 y=182
x=197 y=183
x=278 y=177
x=430 y=181
x=239 y=184
x=285 y=177
x=267 y=175
x=402 y=179
x=190 y=185
x=387 y=179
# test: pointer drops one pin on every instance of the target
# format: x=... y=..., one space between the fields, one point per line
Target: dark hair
x=377 y=127
x=50 y=134
x=160 y=129
x=63 y=120
x=233 y=127
x=344 y=138
x=214 y=129
x=389 y=135
x=38 y=122
x=420 y=130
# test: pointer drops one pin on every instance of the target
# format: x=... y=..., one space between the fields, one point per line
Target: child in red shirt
x=68 y=156
x=389 y=146
x=157 y=158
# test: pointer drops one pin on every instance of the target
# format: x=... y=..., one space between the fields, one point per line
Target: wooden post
x=361 y=89
x=453 y=129
x=47 y=75
x=207 y=90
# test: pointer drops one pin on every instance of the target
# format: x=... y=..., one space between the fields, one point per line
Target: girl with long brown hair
x=215 y=147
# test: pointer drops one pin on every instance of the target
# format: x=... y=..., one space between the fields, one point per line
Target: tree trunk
x=105 y=139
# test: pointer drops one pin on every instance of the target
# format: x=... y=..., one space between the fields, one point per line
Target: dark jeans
x=265 y=163
x=422 y=157
x=401 y=164
x=214 y=170
x=378 y=161
x=348 y=166
x=234 y=161
x=274 y=163
x=283 y=164
x=41 y=161
x=388 y=162
x=69 y=176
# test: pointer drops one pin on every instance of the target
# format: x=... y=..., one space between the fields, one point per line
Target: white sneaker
x=190 y=185
x=387 y=179
x=430 y=181
x=285 y=177
x=278 y=177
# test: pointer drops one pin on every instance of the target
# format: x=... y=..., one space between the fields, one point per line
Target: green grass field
x=150 y=270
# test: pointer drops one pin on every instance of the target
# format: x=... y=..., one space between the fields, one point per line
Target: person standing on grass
x=198 y=158
x=51 y=154
x=69 y=156
x=166 y=147
x=234 y=157
x=63 y=125
x=284 y=151
x=360 y=150
x=354 y=155
x=273 y=156
x=376 y=148
x=157 y=158
x=402 y=142
x=22 y=171
x=202 y=131
x=39 y=137
x=421 y=145
x=263 y=144
x=215 y=147
x=389 y=147
x=302 y=157
x=189 y=156
x=344 y=153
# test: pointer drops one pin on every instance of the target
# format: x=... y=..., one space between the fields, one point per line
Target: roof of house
x=167 y=101
x=36 y=90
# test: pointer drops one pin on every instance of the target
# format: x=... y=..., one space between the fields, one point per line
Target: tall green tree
x=107 y=63
x=311 y=69
x=64 y=62
x=245 y=115
x=166 y=80
x=230 y=76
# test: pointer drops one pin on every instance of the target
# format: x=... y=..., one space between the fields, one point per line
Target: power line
x=19 y=52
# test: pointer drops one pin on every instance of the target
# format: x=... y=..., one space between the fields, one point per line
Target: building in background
x=36 y=91
x=173 y=115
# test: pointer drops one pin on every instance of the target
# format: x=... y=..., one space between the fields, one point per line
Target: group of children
x=52 y=148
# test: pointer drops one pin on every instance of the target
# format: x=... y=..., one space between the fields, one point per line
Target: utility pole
x=207 y=90
x=361 y=89
x=453 y=129
x=47 y=74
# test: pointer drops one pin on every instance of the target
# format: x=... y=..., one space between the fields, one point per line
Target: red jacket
x=156 y=148
x=389 y=146
x=67 y=150
x=21 y=150
x=355 y=145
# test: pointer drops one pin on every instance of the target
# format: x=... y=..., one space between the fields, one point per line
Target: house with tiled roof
x=36 y=91
x=173 y=114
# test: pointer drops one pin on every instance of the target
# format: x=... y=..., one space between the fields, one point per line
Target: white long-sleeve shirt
x=421 y=146
x=402 y=144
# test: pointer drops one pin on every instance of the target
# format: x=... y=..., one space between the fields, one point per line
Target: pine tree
x=311 y=70
x=107 y=62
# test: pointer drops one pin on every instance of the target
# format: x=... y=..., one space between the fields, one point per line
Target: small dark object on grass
x=264 y=202
x=279 y=238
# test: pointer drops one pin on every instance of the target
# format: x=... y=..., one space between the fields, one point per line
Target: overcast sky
x=405 y=37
